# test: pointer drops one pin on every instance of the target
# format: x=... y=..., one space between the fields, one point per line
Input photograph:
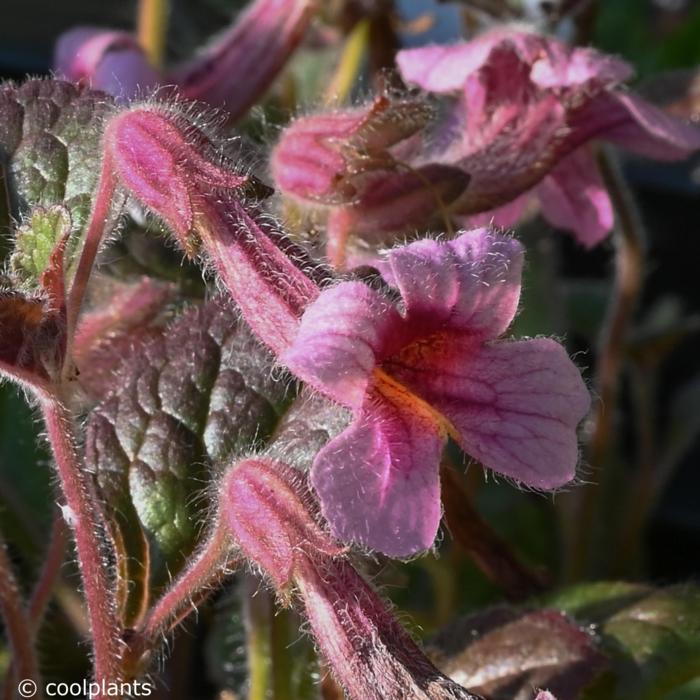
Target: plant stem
x=209 y=564
x=258 y=615
x=629 y=266
x=104 y=210
x=351 y=57
x=17 y=628
x=282 y=688
x=152 y=29
x=53 y=561
x=489 y=552
x=85 y=512
x=642 y=494
x=42 y=592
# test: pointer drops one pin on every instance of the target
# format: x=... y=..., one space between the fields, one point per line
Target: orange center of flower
x=401 y=396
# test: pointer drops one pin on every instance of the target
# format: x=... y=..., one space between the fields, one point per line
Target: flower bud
x=325 y=158
x=274 y=520
x=163 y=166
x=370 y=653
x=271 y=515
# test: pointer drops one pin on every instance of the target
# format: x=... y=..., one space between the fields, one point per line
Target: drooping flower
x=232 y=72
x=111 y=61
x=523 y=108
x=427 y=368
x=273 y=519
x=352 y=163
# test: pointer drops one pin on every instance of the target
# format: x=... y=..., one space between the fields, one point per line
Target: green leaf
x=652 y=636
x=50 y=156
x=50 y=134
x=36 y=239
x=184 y=405
x=656 y=642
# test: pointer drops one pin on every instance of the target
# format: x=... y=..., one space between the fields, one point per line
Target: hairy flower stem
x=85 y=510
x=206 y=568
x=53 y=561
x=271 y=280
x=104 y=211
x=629 y=267
x=17 y=628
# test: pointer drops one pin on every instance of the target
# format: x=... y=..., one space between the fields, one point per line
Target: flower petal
x=445 y=68
x=471 y=283
x=236 y=69
x=503 y=217
x=573 y=197
x=566 y=67
x=651 y=132
x=339 y=337
x=111 y=61
x=378 y=481
x=515 y=405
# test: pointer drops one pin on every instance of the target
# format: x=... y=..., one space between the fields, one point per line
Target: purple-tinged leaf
x=182 y=405
x=504 y=655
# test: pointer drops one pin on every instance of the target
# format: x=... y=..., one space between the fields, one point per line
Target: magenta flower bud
x=234 y=71
x=325 y=158
x=162 y=165
x=274 y=520
x=272 y=517
x=163 y=161
x=370 y=653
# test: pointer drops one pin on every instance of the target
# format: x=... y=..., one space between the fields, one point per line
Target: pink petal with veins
x=515 y=405
x=339 y=338
x=378 y=481
x=471 y=283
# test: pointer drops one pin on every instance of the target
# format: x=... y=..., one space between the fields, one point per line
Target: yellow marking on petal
x=401 y=395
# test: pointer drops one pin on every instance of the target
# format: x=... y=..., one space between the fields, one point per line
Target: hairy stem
x=104 y=210
x=85 y=512
x=53 y=561
x=629 y=267
x=17 y=628
x=208 y=565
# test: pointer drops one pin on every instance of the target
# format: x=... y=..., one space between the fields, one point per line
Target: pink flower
x=429 y=367
x=413 y=373
x=111 y=61
x=273 y=518
x=351 y=161
x=231 y=72
x=524 y=108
